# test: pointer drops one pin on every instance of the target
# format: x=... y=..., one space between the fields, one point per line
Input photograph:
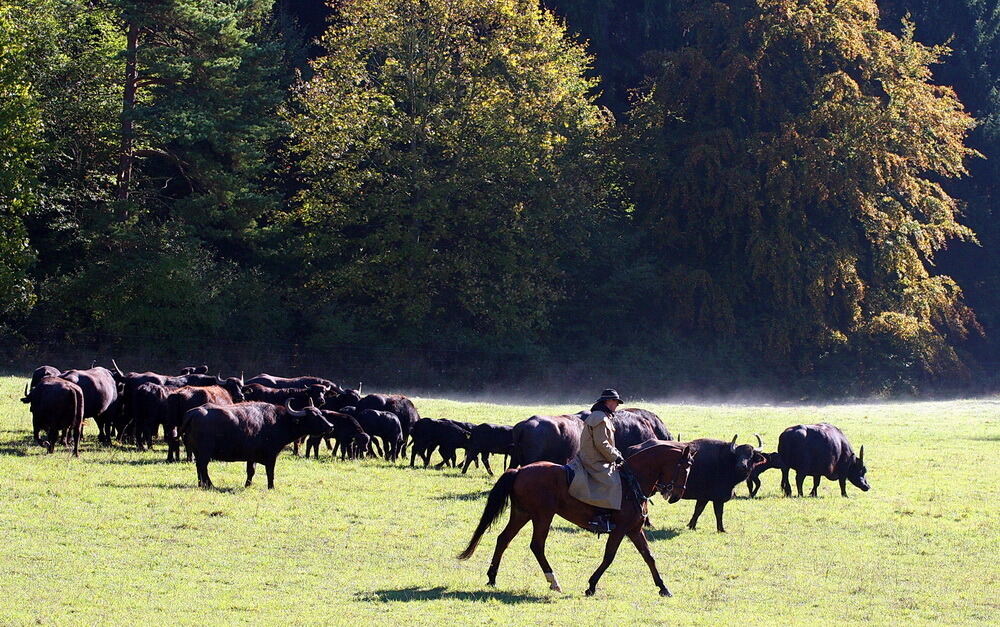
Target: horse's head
x=674 y=475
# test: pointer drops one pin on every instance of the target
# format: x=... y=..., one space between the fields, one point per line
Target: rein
x=668 y=488
x=629 y=475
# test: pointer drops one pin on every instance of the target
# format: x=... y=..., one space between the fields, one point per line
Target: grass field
x=120 y=537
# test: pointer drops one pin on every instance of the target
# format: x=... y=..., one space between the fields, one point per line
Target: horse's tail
x=496 y=503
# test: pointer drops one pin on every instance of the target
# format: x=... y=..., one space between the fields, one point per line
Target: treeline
x=790 y=193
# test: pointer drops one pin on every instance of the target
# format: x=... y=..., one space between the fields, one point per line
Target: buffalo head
x=856 y=474
x=309 y=419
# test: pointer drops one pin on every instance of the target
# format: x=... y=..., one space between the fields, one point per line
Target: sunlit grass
x=119 y=537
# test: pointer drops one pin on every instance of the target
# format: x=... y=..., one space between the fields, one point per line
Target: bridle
x=668 y=488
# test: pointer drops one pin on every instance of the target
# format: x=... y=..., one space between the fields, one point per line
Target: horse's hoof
x=589 y=592
x=555 y=587
x=665 y=593
x=491 y=584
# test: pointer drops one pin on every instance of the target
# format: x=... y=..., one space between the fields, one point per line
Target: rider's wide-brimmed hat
x=609 y=395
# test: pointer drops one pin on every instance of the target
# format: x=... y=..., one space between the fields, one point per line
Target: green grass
x=119 y=537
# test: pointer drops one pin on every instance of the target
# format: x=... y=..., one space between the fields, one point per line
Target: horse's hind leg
x=518 y=519
x=638 y=538
x=610 y=550
x=539 y=532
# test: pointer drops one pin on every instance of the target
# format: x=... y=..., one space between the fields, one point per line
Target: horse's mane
x=648 y=445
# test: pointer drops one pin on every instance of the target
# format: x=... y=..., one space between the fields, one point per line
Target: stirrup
x=600 y=526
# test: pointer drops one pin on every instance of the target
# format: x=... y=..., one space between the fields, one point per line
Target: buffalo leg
x=269 y=467
x=204 y=481
x=843 y=487
x=753 y=485
x=786 y=485
x=518 y=519
x=251 y=469
x=469 y=454
x=815 y=486
x=374 y=446
x=53 y=438
x=699 y=507
x=413 y=456
x=719 y=506
x=610 y=550
x=638 y=538
x=77 y=434
x=800 y=478
x=486 y=462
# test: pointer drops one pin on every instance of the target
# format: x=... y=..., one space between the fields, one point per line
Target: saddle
x=630 y=483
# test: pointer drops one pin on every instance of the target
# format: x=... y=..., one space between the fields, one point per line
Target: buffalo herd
x=231 y=419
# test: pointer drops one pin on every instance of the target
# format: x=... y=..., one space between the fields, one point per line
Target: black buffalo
x=56 y=408
x=149 y=406
x=487 y=439
x=771 y=460
x=277 y=396
x=384 y=426
x=820 y=451
x=428 y=434
x=40 y=373
x=100 y=398
x=718 y=467
x=271 y=381
x=398 y=404
x=250 y=432
x=351 y=440
x=194 y=370
x=556 y=439
x=181 y=401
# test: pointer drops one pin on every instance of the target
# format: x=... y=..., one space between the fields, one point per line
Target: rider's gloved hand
x=619 y=461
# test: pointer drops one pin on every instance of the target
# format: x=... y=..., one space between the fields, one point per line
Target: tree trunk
x=128 y=106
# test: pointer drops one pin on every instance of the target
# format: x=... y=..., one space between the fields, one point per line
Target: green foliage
x=374 y=543
x=19 y=137
x=449 y=155
x=783 y=162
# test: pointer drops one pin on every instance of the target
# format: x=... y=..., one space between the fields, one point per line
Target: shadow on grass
x=985 y=438
x=114 y=461
x=662 y=534
x=468 y=496
x=414 y=593
x=166 y=486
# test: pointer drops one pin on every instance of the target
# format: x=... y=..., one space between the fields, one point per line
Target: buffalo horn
x=241 y=379
x=359 y=388
x=310 y=399
x=26 y=390
x=117 y=369
x=294 y=412
x=732 y=445
x=760 y=442
x=678 y=436
x=862 y=457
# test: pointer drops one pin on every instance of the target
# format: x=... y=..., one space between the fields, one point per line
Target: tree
x=448 y=157
x=19 y=137
x=786 y=161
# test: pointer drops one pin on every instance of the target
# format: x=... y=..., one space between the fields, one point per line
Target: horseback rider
x=596 y=480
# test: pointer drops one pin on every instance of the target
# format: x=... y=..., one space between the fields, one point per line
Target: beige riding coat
x=596 y=482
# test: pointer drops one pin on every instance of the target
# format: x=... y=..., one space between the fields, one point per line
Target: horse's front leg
x=539 y=532
x=610 y=550
x=638 y=538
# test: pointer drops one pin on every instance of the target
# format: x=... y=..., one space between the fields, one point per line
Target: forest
x=795 y=196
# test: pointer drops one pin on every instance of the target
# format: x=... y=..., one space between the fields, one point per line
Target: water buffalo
x=486 y=439
x=40 y=373
x=56 y=408
x=100 y=397
x=820 y=451
x=771 y=460
x=557 y=438
x=278 y=396
x=351 y=439
x=428 y=434
x=271 y=381
x=718 y=467
x=250 y=432
x=149 y=406
x=553 y=439
x=403 y=407
x=179 y=402
x=382 y=425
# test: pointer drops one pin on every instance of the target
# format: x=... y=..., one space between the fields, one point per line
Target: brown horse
x=539 y=491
